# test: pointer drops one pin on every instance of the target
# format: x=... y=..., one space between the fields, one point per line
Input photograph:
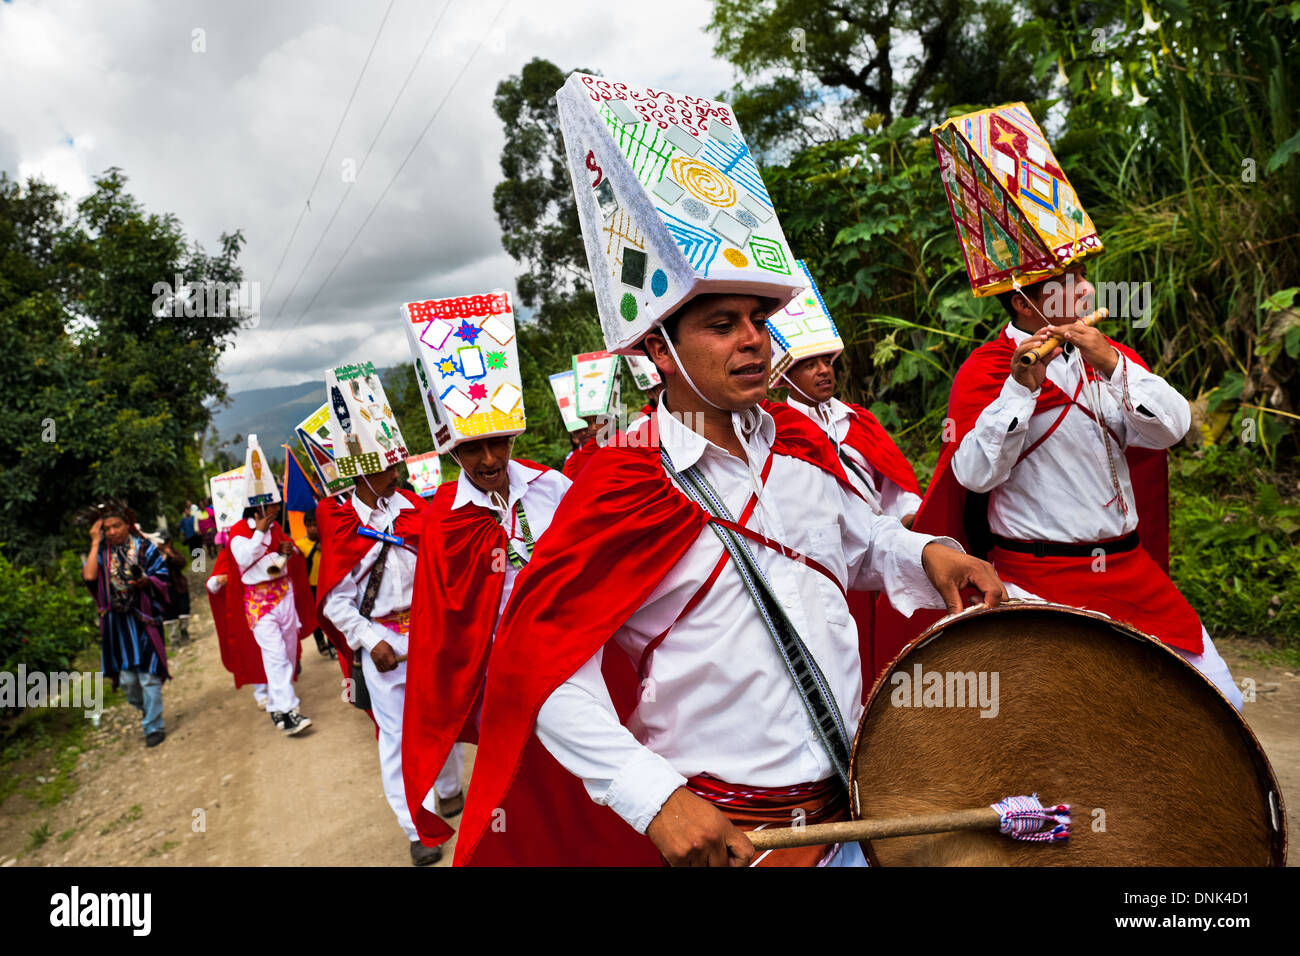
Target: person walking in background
x=129 y=578
x=207 y=527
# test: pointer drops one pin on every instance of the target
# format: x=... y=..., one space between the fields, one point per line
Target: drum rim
x=1278 y=841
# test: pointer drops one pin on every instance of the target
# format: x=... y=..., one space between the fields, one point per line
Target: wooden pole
x=1040 y=354
x=851 y=831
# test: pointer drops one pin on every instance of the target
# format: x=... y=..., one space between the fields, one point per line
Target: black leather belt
x=1061 y=549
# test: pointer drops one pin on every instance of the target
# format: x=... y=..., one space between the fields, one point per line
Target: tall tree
x=534 y=202
x=816 y=68
x=106 y=383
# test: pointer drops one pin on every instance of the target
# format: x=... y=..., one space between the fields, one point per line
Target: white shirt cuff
x=1013 y=390
x=639 y=789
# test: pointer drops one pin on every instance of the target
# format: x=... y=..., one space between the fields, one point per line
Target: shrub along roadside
x=47 y=618
x=1235 y=543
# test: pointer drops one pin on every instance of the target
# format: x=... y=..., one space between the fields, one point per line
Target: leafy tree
x=816 y=69
x=106 y=386
x=534 y=203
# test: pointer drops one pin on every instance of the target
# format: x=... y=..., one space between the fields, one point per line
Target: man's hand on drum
x=690 y=831
x=950 y=571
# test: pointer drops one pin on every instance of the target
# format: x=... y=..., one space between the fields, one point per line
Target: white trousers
x=1209 y=663
x=387 y=698
x=277 y=635
x=259 y=694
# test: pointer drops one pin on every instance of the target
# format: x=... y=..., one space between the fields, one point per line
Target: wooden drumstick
x=1040 y=354
x=851 y=831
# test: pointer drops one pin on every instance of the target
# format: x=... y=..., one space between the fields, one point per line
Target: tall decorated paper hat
x=671 y=203
x=644 y=373
x=566 y=397
x=467 y=362
x=259 y=482
x=802 y=329
x=1017 y=216
x=314 y=433
x=227 y=491
x=425 y=472
x=366 y=436
x=595 y=377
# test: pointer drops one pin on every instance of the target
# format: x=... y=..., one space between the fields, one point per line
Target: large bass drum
x=1158 y=767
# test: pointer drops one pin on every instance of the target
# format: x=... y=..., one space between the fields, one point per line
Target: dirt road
x=227 y=788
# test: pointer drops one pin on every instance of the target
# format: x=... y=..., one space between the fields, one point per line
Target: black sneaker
x=295 y=723
x=155 y=738
x=277 y=718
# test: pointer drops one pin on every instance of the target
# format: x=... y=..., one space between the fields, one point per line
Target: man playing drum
x=722 y=536
x=1069 y=447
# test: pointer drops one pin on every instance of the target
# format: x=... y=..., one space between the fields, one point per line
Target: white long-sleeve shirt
x=883 y=494
x=1063 y=490
x=246 y=550
x=540 y=493
x=718 y=698
x=343 y=604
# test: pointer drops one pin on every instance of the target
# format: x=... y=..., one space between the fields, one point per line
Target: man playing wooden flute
x=710 y=550
x=1056 y=469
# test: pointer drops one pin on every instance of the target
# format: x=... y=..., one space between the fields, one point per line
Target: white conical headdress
x=259 y=483
x=595 y=377
x=467 y=363
x=671 y=202
x=802 y=329
x=566 y=394
x=318 y=441
x=366 y=436
x=644 y=373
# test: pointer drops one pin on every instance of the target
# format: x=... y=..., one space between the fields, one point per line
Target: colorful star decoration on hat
x=447 y=367
x=496 y=359
x=478 y=391
x=468 y=332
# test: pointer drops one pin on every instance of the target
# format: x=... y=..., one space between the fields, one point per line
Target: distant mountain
x=268 y=413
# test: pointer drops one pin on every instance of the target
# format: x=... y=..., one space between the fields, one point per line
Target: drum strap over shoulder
x=809 y=681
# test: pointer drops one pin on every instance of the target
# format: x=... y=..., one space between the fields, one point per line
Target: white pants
x=1209 y=663
x=276 y=634
x=259 y=694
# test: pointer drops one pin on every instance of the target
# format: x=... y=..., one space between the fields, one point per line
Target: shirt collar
x=521 y=476
x=685 y=446
x=1016 y=335
x=390 y=506
x=832 y=410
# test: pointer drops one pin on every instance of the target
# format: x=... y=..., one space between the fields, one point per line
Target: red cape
x=577 y=461
x=459 y=576
x=868 y=438
x=240 y=653
x=624 y=522
x=342 y=549
x=948 y=509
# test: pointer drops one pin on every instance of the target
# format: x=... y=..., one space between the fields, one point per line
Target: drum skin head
x=1157 y=766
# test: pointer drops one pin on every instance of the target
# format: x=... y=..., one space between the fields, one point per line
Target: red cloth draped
x=948 y=509
x=868 y=438
x=459 y=577
x=580 y=457
x=622 y=522
x=1130 y=587
x=240 y=653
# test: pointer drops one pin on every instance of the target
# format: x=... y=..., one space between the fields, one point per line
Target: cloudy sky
x=227 y=127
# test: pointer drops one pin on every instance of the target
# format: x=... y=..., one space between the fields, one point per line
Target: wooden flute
x=1040 y=354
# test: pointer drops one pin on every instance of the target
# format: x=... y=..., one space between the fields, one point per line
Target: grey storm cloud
x=220 y=112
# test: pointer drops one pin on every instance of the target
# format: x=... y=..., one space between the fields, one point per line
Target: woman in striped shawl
x=129 y=578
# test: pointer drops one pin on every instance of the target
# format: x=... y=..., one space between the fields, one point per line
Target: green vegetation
x=105 y=394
